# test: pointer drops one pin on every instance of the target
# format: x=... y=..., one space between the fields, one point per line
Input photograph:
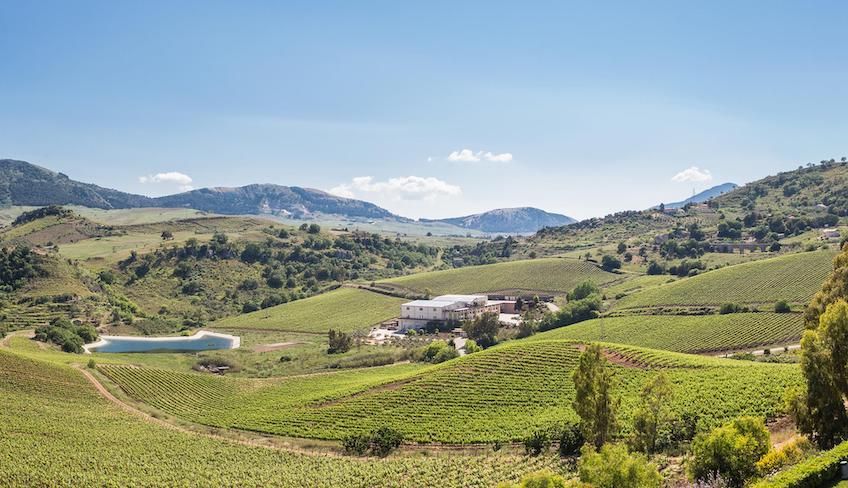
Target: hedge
x=815 y=472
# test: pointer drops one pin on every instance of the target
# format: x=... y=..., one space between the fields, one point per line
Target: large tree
x=594 y=402
x=819 y=409
x=653 y=412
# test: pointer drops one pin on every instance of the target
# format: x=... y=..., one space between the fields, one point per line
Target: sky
x=430 y=109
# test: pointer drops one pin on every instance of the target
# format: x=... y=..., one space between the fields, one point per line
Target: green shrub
x=384 y=440
x=542 y=479
x=357 y=444
x=731 y=451
x=782 y=307
x=537 y=443
x=614 y=467
x=570 y=440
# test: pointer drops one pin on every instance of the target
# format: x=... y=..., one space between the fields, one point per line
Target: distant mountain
x=265 y=198
x=23 y=183
x=520 y=220
x=705 y=195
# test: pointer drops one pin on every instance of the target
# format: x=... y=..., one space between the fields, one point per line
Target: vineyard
x=542 y=275
x=501 y=394
x=344 y=309
x=795 y=277
x=55 y=430
x=692 y=334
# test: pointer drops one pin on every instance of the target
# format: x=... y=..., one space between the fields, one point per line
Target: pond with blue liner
x=201 y=341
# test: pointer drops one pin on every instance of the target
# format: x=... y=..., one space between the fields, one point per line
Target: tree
x=593 y=402
x=614 y=467
x=313 y=229
x=655 y=268
x=339 y=342
x=782 y=306
x=652 y=413
x=610 y=263
x=818 y=409
x=622 y=247
x=730 y=451
x=167 y=235
x=483 y=329
x=583 y=290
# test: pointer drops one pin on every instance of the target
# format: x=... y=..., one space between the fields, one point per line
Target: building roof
x=460 y=298
x=429 y=303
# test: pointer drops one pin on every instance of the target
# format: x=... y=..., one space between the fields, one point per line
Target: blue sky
x=580 y=108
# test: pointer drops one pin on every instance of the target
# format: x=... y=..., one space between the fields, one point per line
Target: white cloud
x=692 y=175
x=469 y=156
x=400 y=188
x=182 y=180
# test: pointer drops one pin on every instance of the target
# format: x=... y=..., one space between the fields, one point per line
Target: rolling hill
x=500 y=394
x=519 y=220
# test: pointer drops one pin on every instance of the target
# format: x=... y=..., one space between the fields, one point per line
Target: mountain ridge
x=705 y=195
x=24 y=183
x=514 y=220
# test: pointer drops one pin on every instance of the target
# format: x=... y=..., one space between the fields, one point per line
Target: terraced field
x=501 y=394
x=692 y=334
x=795 y=277
x=55 y=430
x=541 y=275
x=346 y=309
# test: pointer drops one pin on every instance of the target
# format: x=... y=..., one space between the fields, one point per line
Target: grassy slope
x=795 y=277
x=344 y=309
x=55 y=430
x=500 y=394
x=543 y=275
x=691 y=334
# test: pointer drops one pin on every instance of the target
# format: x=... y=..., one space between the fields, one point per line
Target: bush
x=583 y=290
x=339 y=342
x=782 y=307
x=471 y=347
x=655 y=268
x=610 y=263
x=730 y=308
x=570 y=440
x=91 y=364
x=357 y=444
x=63 y=333
x=249 y=307
x=814 y=472
x=731 y=451
x=437 y=352
x=542 y=479
x=384 y=440
x=614 y=467
x=789 y=453
x=537 y=443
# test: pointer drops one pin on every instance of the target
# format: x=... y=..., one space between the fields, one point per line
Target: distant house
x=448 y=308
x=830 y=234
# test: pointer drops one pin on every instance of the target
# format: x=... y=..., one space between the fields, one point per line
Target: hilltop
x=509 y=220
x=705 y=195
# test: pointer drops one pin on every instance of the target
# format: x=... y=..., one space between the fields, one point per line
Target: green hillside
x=500 y=394
x=692 y=334
x=344 y=309
x=794 y=277
x=541 y=275
x=54 y=426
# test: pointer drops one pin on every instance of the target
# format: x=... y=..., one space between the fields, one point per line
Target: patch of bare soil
x=617 y=358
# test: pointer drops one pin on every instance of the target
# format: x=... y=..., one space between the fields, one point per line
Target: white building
x=446 y=308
